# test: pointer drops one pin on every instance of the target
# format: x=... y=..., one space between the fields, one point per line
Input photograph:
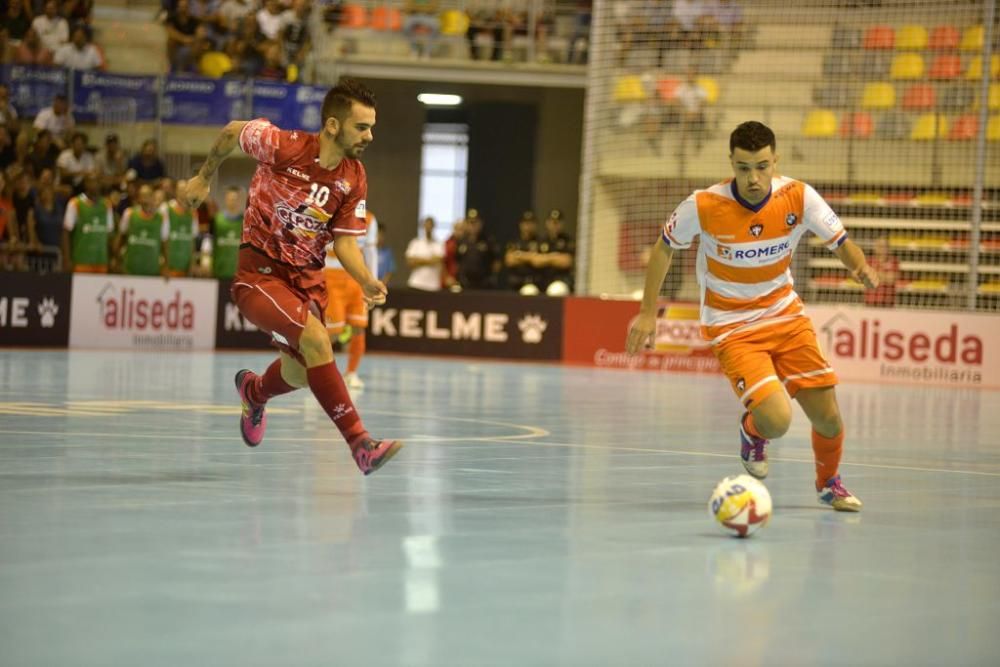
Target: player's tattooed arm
x=227 y=140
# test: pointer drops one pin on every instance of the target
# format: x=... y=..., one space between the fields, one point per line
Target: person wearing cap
x=522 y=255
x=556 y=253
x=111 y=162
x=477 y=256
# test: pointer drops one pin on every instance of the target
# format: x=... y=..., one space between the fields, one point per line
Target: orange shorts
x=760 y=361
x=346 y=301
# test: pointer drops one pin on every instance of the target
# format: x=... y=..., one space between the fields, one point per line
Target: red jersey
x=296 y=207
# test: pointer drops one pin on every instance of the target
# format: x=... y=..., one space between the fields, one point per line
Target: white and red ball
x=740 y=505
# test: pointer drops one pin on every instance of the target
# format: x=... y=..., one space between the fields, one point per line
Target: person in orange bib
x=748 y=228
x=346 y=305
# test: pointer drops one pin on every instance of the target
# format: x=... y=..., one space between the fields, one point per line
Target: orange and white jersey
x=368 y=244
x=745 y=252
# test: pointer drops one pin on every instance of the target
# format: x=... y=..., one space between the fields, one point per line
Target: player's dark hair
x=337 y=102
x=752 y=136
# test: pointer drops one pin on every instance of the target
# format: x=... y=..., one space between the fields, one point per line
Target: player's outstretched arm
x=853 y=258
x=197 y=186
x=642 y=330
x=350 y=256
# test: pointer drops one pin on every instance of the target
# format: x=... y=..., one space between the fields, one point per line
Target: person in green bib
x=141 y=236
x=227 y=232
x=88 y=227
x=180 y=227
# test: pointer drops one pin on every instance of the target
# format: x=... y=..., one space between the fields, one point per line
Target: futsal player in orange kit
x=749 y=227
x=346 y=304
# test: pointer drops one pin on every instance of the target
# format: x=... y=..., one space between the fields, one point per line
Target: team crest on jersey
x=741 y=385
x=672 y=222
x=791 y=219
x=725 y=252
x=756 y=229
x=342 y=185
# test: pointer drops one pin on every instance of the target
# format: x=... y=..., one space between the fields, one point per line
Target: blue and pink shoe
x=371 y=454
x=253 y=421
x=753 y=451
x=836 y=496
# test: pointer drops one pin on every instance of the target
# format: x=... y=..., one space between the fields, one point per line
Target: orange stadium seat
x=879 y=37
x=993 y=129
x=946 y=66
x=944 y=38
x=878 y=95
x=387 y=18
x=924 y=127
x=667 y=87
x=919 y=97
x=820 y=123
x=353 y=16
x=911 y=38
x=972 y=39
x=629 y=89
x=965 y=128
x=975 y=69
x=858 y=125
x=907 y=66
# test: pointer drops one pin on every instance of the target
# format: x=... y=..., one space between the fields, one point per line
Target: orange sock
x=355 y=350
x=827 y=452
x=749 y=426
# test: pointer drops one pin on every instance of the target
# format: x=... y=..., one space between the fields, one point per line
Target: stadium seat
x=837 y=65
x=454 y=22
x=629 y=89
x=972 y=39
x=215 y=64
x=667 y=87
x=924 y=127
x=911 y=38
x=353 y=16
x=387 y=19
x=846 y=38
x=993 y=129
x=975 y=69
x=833 y=96
x=875 y=65
x=878 y=96
x=919 y=97
x=907 y=66
x=858 y=125
x=820 y=123
x=711 y=88
x=956 y=97
x=993 y=101
x=892 y=125
x=879 y=37
x=944 y=38
x=964 y=128
x=946 y=66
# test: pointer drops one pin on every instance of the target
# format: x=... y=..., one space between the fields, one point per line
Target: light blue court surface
x=538 y=515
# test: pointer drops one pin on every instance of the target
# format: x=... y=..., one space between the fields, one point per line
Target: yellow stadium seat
x=972 y=39
x=454 y=22
x=878 y=96
x=923 y=128
x=629 y=89
x=911 y=38
x=993 y=129
x=993 y=102
x=907 y=66
x=711 y=88
x=215 y=64
x=975 y=70
x=820 y=123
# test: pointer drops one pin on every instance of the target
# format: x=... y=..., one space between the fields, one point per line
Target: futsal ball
x=740 y=505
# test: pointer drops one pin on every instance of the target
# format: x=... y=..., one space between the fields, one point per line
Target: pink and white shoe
x=753 y=452
x=836 y=496
x=253 y=421
x=371 y=454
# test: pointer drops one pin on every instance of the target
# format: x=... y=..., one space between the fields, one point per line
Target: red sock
x=329 y=389
x=827 y=452
x=355 y=349
x=269 y=384
x=749 y=426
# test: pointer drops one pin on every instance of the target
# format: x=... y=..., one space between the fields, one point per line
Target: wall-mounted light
x=439 y=100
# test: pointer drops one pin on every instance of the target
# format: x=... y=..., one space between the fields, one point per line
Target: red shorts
x=277 y=297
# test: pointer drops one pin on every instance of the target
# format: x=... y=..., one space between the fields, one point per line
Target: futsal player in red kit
x=308 y=190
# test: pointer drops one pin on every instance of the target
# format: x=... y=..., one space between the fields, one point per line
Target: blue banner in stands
x=32 y=88
x=114 y=98
x=289 y=106
x=197 y=101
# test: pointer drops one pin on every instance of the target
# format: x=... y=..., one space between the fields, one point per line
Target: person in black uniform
x=556 y=252
x=521 y=256
x=478 y=256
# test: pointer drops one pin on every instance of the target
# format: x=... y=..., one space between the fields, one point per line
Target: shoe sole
x=751 y=472
x=239 y=381
x=396 y=446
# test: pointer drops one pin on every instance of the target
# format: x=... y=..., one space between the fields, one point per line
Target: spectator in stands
x=79 y=53
x=691 y=99
x=521 y=256
x=227 y=231
x=181 y=227
x=88 y=226
x=728 y=16
x=556 y=254
x=483 y=20
x=207 y=14
x=23 y=198
x=76 y=161
x=17 y=19
x=449 y=275
x=295 y=40
x=688 y=18
x=8 y=114
x=147 y=165
x=78 y=11
x=57 y=119
x=274 y=64
x=579 y=40
x=478 y=258
x=110 y=163
x=182 y=32
x=425 y=257
x=271 y=20
x=386 y=260
x=141 y=234
x=31 y=51
x=44 y=153
x=421 y=25
x=232 y=13
x=8 y=155
x=52 y=28
x=48 y=217
x=11 y=254
x=887 y=266
x=6 y=49
x=244 y=49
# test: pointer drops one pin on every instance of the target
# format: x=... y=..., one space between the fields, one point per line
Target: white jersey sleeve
x=683 y=225
x=369 y=247
x=822 y=220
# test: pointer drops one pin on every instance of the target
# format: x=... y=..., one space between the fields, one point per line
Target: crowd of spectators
x=49 y=32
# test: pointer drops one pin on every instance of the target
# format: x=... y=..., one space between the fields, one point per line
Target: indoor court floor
x=538 y=515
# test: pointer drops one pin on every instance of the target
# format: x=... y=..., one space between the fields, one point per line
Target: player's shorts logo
x=756 y=229
x=791 y=219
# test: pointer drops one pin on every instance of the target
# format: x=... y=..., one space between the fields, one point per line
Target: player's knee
x=294 y=374
x=828 y=423
x=774 y=417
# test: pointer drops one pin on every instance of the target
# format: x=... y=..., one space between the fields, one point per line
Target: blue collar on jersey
x=744 y=203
